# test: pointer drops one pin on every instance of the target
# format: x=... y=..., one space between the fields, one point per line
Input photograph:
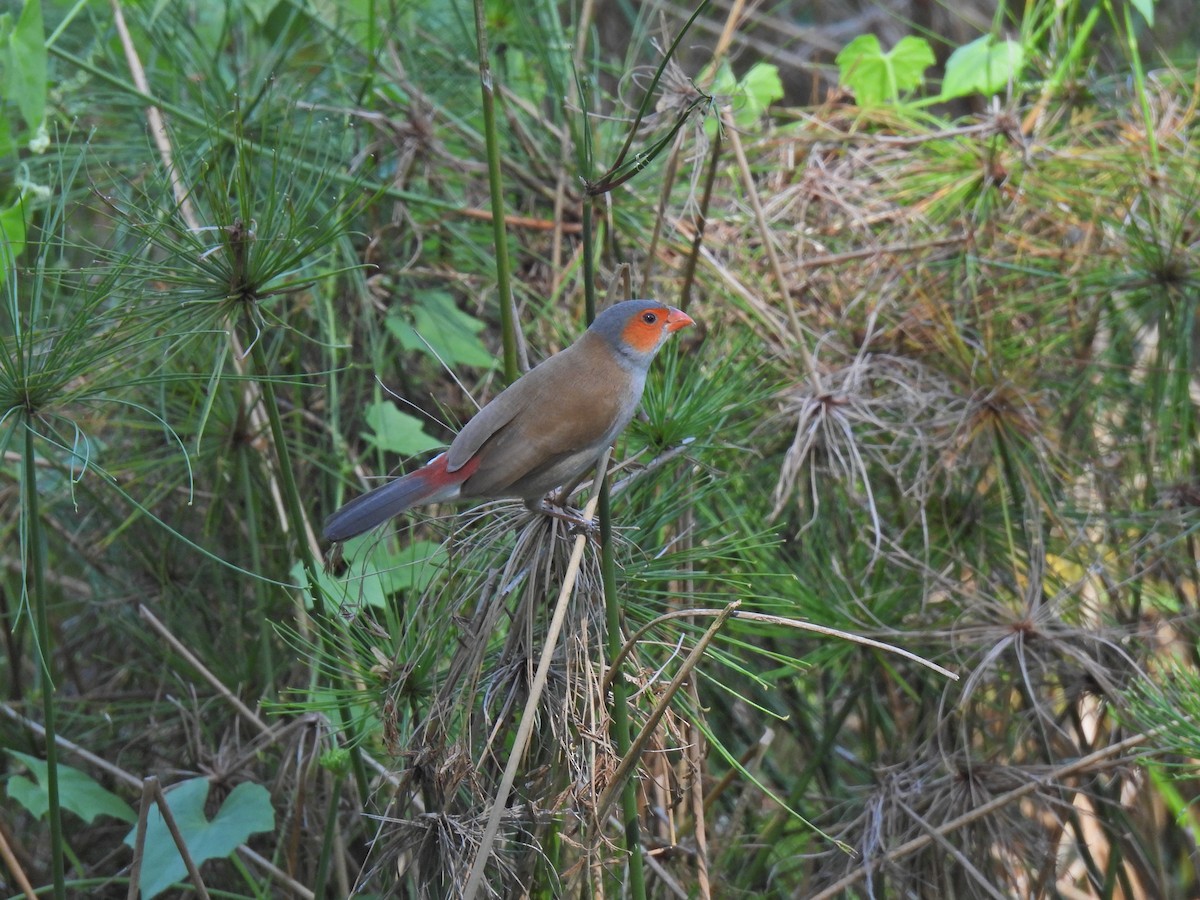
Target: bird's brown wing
x=531 y=389
x=556 y=419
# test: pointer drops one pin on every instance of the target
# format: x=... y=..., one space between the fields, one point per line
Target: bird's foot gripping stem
x=574 y=517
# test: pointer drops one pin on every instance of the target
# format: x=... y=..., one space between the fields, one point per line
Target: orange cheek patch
x=643 y=337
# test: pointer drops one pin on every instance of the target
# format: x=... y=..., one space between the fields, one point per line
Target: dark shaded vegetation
x=942 y=400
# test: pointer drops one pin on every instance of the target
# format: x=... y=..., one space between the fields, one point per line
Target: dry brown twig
x=14 y=866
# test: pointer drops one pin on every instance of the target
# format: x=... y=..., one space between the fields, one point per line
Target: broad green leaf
x=27 y=65
x=910 y=58
x=876 y=77
x=77 y=791
x=724 y=86
x=412 y=567
x=377 y=571
x=983 y=66
x=7 y=144
x=439 y=328
x=725 y=83
x=397 y=431
x=758 y=89
x=246 y=811
x=1146 y=8
x=365 y=587
x=12 y=236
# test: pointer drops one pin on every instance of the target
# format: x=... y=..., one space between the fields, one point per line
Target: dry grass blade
x=161 y=630
x=14 y=866
x=529 y=715
x=633 y=756
x=767 y=237
x=785 y=622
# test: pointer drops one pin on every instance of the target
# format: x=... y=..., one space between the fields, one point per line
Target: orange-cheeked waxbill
x=545 y=430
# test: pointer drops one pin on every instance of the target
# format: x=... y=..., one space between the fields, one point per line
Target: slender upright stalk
x=291 y=499
x=689 y=270
x=35 y=587
x=620 y=699
x=496 y=189
x=612 y=614
x=329 y=838
x=1139 y=84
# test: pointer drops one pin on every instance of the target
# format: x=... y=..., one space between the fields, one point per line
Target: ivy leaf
x=246 y=811
x=984 y=66
x=876 y=77
x=77 y=791
x=442 y=330
x=396 y=431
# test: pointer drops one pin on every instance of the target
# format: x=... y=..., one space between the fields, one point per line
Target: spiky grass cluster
x=992 y=420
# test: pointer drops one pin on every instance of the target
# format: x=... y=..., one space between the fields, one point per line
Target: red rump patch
x=439 y=472
x=644 y=330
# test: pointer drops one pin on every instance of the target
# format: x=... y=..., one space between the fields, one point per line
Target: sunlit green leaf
x=876 y=77
x=725 y=82
x=756 y=91
x=983 y=66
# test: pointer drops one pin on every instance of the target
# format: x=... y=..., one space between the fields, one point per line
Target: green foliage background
x=941 y=400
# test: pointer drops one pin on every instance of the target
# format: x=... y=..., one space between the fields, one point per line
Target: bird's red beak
x=677 y=318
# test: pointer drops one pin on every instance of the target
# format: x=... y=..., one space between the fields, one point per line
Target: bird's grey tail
x=375 y=507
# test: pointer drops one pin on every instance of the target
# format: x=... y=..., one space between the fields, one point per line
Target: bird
x=545 y=430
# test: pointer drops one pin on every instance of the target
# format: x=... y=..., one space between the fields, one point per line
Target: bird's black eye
x=649 y=318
